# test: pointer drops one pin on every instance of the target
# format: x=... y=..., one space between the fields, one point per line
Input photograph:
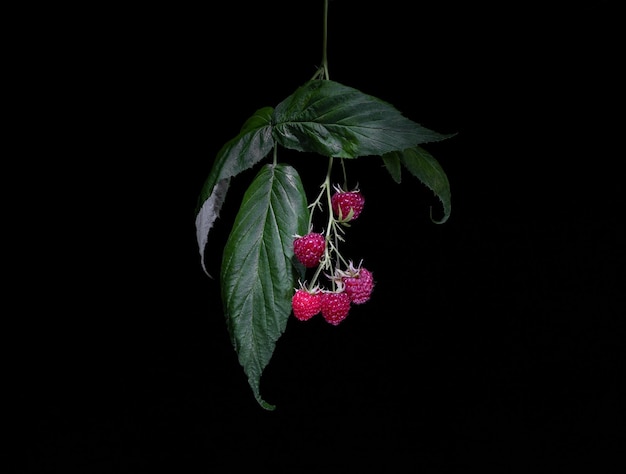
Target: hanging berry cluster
x=278 y=261
x=347 y=284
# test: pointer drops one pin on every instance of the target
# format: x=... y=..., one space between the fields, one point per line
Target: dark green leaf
x=427 y=169
x=257 y=277
x=251 y=145
x=391 y=161
x=331 y=119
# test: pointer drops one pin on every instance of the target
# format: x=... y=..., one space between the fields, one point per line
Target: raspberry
x=335 y=307
x=359 y=286
x=306 y=304
x=309 y=248
x=343 y=202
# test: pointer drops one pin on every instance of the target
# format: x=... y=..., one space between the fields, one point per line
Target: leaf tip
x=438 y=221
x=265 y=405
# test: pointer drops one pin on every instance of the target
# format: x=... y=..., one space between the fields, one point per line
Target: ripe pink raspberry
x=345 y=201
x=306 y=304
x=309 y=248
x=359 y=285
x=335 y=306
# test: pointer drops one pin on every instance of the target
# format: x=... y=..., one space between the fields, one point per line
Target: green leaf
x=331 y=119
x=427 y=169
x=391 y=161
x=251 y=145
x=258 y=277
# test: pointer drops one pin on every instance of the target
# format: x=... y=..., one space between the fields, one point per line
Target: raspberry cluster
x=349 y=284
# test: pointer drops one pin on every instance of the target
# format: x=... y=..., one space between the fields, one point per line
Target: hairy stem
x=332 y=233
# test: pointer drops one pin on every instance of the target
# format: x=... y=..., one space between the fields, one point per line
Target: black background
x=492 y=341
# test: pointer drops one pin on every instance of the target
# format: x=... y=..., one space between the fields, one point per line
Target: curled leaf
x=427 y=169
x=251 y=145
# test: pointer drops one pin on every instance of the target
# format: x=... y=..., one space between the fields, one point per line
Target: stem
x=325 y=41
x=333 y=232
x=322 y=71
x=345 y=176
